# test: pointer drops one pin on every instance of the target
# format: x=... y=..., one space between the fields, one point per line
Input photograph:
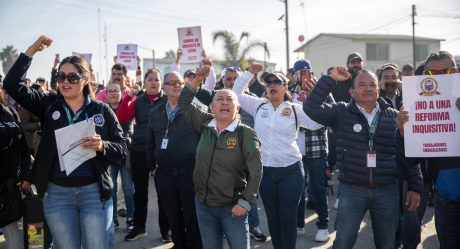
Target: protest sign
x=190 y=43
x=127 y=55
x=434 y=119
x=87 y=57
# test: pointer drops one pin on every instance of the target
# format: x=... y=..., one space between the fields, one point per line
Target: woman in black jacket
x=77 y=205
x=15 y=157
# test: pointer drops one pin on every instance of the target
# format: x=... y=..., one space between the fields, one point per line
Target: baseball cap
x=189 y=72
x=354 y=55
x=302 y=64
x=278 y=76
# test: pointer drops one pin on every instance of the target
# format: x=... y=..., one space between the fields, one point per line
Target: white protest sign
x=434 y=119
x=87 y=57
x=191 y=44
x=127 y=55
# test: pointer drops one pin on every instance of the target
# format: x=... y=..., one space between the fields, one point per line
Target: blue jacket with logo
x=44 y=105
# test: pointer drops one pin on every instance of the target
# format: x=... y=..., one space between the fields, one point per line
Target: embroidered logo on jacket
x=231 y=142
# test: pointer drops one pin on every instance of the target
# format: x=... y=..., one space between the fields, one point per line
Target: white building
x=326 y=50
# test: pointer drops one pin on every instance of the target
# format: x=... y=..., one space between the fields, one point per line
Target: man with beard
x=354 y=65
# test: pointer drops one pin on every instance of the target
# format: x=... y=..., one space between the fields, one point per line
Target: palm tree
x=235 y=52
x=8 y=55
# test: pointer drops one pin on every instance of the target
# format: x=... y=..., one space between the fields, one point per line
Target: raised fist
x=340 y=74
x=255 y=68
x=40 y=44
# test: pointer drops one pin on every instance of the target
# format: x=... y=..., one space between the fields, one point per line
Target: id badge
x=371 y=159
x=164 y=144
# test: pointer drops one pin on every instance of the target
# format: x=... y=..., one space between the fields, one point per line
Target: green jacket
x=227 y=170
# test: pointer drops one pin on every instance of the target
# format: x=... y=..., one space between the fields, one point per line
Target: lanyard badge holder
x=371 y=155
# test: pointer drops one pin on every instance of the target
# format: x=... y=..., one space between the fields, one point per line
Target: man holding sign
x=446 y=170
x=364 y=130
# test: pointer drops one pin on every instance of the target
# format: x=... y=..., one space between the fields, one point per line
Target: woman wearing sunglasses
x=276 y=122
x=78 y=206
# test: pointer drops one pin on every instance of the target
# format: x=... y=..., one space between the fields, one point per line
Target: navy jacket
x=353 y=144
x=182 y=141
x=43 y=106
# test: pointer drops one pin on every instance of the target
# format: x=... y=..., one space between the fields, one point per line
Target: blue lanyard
x=372 y=129
x=171 y=115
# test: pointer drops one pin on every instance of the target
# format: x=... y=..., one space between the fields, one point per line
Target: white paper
x=191 y=44
x=127 y=55
x=434 y=119
x=69 y=139
x=87 y=57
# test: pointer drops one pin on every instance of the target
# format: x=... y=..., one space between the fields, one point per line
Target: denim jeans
x=253 y=216
x=316 y=168
x=13 y=236
x=280 y=189
x=383 y=205
x=77 y=217
x=126 y=184
x=447 y=221
x=215 y=222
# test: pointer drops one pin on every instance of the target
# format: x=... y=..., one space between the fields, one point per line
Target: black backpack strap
x=295 y=116
x=259 y=108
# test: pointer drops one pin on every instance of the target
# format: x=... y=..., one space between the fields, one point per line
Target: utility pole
x=413 y=35
x=265 y=55
x=106 y=52
x=153 y=58
x=99 y=41
x=287 y=33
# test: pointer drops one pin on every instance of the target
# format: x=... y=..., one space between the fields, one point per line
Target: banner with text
x=191 y=44
x=127 y=55
x=434 y=119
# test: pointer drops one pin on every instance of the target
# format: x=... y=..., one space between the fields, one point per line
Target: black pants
x=178 y=198
x=141 y=174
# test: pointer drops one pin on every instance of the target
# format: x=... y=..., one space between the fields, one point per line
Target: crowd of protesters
x=214 y=145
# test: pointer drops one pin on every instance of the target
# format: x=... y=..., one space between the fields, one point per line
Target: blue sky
x=152 y=24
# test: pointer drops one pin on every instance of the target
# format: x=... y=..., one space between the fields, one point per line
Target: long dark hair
x=83 y=68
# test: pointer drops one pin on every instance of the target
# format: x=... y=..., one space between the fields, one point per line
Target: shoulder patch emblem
x=99 y=120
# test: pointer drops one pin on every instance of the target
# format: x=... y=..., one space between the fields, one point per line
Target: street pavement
x=365 y=238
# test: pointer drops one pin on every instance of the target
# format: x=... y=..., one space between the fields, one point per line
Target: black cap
x=354 y=55
x=189 y=73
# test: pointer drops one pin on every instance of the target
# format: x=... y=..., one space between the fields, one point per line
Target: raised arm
x=248 y=103
x=315 y=107
x=32 y=100
x=191 y=112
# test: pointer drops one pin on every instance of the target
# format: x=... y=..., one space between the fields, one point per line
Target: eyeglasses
x=442 y=71
x=174 y=82
x=274 y=82
x=72 y=78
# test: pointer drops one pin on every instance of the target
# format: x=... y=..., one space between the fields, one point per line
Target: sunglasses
x=437 y=72
x=274 y=82
x=234 y=68
x=72 y=78
x=174 y=83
